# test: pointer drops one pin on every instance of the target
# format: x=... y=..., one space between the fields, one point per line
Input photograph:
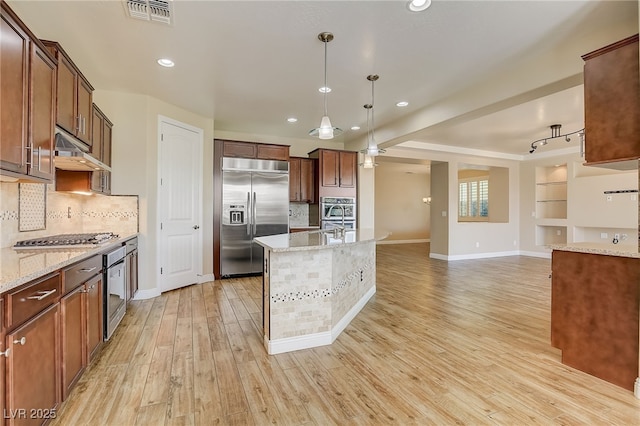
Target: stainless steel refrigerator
x=255 y=203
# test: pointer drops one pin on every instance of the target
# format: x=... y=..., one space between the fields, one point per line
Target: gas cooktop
x=66 y=241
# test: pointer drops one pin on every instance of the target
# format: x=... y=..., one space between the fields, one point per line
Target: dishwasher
x=115 y=292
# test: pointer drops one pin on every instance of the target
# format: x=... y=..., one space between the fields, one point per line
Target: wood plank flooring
x=465 y=342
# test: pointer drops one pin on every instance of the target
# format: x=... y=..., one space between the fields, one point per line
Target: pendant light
x=372 y=146
x=326 y=130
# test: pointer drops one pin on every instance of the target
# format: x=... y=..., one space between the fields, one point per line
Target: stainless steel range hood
x=71 y=154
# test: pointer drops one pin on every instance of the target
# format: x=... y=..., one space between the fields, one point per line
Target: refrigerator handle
x=249 y=209
x=255 y=226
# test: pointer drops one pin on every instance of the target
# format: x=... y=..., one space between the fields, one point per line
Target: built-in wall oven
x=115 y=289
x=336 y=210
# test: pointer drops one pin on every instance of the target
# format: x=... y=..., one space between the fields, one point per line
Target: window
x=473 y=199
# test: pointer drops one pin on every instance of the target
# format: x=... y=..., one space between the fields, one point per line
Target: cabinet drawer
x=81 y=272
x=26 y=302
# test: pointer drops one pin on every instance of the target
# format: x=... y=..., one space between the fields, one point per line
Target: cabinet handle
x=6 y=353
x=29 y=155
x=39 y=159
x=42 y=295
x=86 y=270
x=22 y=341
x=79 y=125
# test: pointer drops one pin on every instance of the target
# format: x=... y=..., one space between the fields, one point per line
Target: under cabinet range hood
x=71 y=154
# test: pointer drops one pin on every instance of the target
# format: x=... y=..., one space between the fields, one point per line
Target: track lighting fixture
x=555 y=133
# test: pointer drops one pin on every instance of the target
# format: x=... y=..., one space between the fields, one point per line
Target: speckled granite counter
x=608 y=249
x=21 y=266
x=314 y=240
x=314 y=284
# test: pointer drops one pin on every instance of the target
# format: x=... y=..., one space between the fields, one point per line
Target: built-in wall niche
x=585 y=234
x=551 y=192
x=483 y=193
x=550 y=235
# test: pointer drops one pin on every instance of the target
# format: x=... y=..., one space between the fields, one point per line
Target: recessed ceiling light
x=402 y=104
x=324 y=89
x=168 y=63
x=292 y=119
x=355 y=128
x=418 y=5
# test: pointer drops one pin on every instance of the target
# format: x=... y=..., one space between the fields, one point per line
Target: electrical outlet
x=558 y=232
x=634 y=197
x=604 y=235
x=609 y=198
x=477 y=244
x=616 y=236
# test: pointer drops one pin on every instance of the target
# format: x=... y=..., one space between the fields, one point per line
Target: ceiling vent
x=150 y=10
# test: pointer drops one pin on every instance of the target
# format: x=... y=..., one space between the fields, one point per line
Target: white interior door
x=180 y=204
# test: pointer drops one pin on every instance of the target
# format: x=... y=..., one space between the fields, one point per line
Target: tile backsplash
x=64 y=213
x=298 y=215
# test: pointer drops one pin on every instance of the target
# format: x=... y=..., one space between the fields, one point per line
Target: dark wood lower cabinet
x=94 y=322
x=73 y=336
x=3 y=355
x=595 y=301
x=32 y=369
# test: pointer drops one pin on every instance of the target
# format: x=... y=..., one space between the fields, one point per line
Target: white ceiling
x=462 y=65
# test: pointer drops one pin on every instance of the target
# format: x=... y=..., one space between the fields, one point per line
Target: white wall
x=135 y=170
x=588 y=212
x=399 y=208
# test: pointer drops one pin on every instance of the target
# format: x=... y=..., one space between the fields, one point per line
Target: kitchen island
x=314 y=284
x=595 y=306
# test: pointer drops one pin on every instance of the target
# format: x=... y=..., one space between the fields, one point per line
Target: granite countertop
x=609 y=249
x=313 y=240
x=21 y=266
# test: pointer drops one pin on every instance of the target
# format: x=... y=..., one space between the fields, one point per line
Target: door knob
x=196 y=227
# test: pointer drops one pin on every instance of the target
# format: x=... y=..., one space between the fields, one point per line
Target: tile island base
x=314 y=284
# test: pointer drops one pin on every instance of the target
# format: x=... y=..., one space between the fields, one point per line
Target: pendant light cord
x=326 y=89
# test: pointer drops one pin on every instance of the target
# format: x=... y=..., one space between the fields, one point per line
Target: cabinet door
x=330 y=168
x=348 y=169
x=106 y=141
x=84 y=111
x=95 y=331
x=33 y=380
x=66 y=95
x=272 y=152
x=612 y=103
x=96 y=134
x=14 y=98
x=3 y=354
x=41 y=114
x=239 y=149
x=73 y=338
x=294 y=179
x=307 y=184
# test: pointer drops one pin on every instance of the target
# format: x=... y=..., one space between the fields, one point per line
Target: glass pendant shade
x=368 y=162
x=325 y=131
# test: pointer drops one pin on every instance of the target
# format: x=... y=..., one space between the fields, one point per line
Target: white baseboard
x=422 y=240
x=438 y=256
x=289 y=344
x=206 y=278
x=483 y=255
x=149 y=293
x=535 y=254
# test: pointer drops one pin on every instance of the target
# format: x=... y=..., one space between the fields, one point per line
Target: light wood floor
x=464 y=342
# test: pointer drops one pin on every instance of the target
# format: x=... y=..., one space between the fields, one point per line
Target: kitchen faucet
x=336 y=232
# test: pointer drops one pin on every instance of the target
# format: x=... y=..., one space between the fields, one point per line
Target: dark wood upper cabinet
x=27 y=102
x=612 y=105
x=337 y=172
x=42 y=113
x=101 y=149
x=74 y=96
x=301 y=180
x=255 y=150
